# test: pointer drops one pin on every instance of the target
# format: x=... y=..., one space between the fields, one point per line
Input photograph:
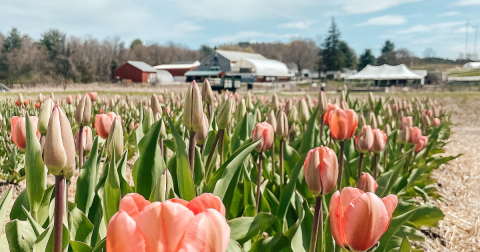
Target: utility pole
x=466 y=39
x=475 y=43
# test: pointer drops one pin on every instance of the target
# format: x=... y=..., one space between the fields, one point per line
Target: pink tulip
x=364 y=139
x=331 y=107
x=379 y=140
x=69 y=99
x=421 y=143
x=359 y=219
x=264 y=132
x=415 y=134
x=93 y=96
x=103 y=123
x=407 y=121
x=343 y=123
x=320 y=170
x=173 y=225
x=367 y=183
x=436 y=122
x=19 y=130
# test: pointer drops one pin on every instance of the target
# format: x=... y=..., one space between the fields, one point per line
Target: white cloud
x=385 y=20
x=368 y=6
x=467 y=2
x=449 y=14
x=301 y=25
x=249 y=36
x=439 y=27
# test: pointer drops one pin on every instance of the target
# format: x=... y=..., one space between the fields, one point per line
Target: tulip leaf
x=308 y=139
x=37 y=229
x=4 y=243
x=111 y=197
x=150 y=164
x=101 y=246
x=184 y=176
x=244 y=228
x=289 y=188
x=395 y=224
x=5 y=205
x=35 y=171
x=233 y=246
x=426 y=215
x=230 y=167
x=20 y=236
x=412 y=233
x=79 y=225
x=17 y=212
x=80 y=247
x=45 y=241
x=96 y=217
x=87 y=180
x=125 y=187
x=388 y=179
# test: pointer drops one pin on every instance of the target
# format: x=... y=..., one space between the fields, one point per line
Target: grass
x=475 y=72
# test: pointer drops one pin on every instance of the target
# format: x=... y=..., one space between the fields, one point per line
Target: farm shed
x=263 y=69
x=136 y=71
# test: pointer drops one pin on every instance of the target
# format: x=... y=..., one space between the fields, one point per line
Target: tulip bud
x=83 y=113
x=344 y=105
x=225 y=113
x=379 y=121
x=115 y=140
x=271 y=119
x=59 y=148
x=86 y=141
x=40 y=97
x=371 y=99
x=156 y=108
x=201 y=135
x=292 y=115
x=163 y=131
x=288 y=106
x=387 y=129
x=404 y=135
x=415 y=134
x=406 y=122
x=69 y=99
x=18 y=130
x=343 y=124
x=93 y=96
x=372 y=120
x=207 y=93
x=148 y=120
x=193 y=113
x=282 y=125
x=426 y=121
x=258 y=115
x=421 y=143
x=103 y=123
x=320 y=170
x=44 y=115
x=264 y=132
x=303 y=111
x=274 y=104
x=379 y=141
x=367 y=183
x=322 y=103
x=163 y=187
x=241 y=111
x=309 y=101
x=131 y=126
x=364 y=140
x=436 y=122
x=248 y=102
x=20 y=98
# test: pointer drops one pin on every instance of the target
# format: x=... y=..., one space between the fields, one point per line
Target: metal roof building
x=178 y=69
x=261 y=67
x=136 y=71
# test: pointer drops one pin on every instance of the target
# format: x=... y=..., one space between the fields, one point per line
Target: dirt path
x=459 y=180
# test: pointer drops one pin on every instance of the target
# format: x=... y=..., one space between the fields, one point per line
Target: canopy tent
x=385 y=72
x=472 y=65
x=262 y=67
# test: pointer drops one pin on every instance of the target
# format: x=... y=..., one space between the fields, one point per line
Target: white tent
x=386 y=72
x=472 y=65
x=164 y=77
x=262 y=67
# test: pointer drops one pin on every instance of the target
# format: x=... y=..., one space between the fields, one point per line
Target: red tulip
x=436 y=122
x=321 y=170
x=264 y=132
x=142 y=226
x=359 y=219
x=37 y=105
x=421 y=143
x=17 y=103
x=364 y=139
x=415 y=134
x=379 y=141
x=331 y=107
x=343 y=123
x=25 y=103
x=19 y=130
x=367 y=183
x=103 y=123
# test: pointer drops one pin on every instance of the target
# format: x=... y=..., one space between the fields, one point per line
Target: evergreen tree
x=347 y=56
x=388 y=47
x=54 y=41
x=389 y=55
x=13 y=41
x=136 y=42
x=330 y=53
x=366 y=58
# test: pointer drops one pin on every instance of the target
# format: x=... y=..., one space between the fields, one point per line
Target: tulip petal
x=206 y=201
x=56 y=157
x=391 y=202
x=336 y=220
x=353 y=122
x=339 y=124
x=207 y=232
x=311 y=173
x=328 y=169
x=133 y=204
x=123 y=234
x=365 y=221
x=348 y=195
x=102 y=125
x=164 y=224
x=179 y=201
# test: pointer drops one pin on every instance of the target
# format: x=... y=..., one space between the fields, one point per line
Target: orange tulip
x=321 y=170
x=367 y=183
x=352 y=211
x=364 y=139
x=25 y=103
x=19 y=130
x=415 y=134
x=175 y=225
x=421 y=143
x=264 y=132
x=103 y=123
x=343 y=123
x=37 y=105
x=331 y=107
x=379 y=141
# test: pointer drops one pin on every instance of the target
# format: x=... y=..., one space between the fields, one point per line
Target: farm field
x=454 y=189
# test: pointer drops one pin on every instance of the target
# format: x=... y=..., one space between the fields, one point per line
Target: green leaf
x=426 y=215
x=125 y=187
x=230 y=167
x=387 y=180
x=150 y=163
x=412 y=233
x=80 y=247
x=394 y=226
x=35 y=171
x=233 y=246
x=5 y=205
x=20 y=236
x=45 y=241
x=308 y=139
x=79 y=225
x=111 y=197
x=87 y=180
x=4 y=243
x=184 y=176
x=101 y=246
x=37 y=229
x=17 y=212
x=244 y=228
x=405 y=247
x=289 y=188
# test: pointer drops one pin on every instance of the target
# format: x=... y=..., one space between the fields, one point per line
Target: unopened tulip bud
x=201 y=135
x=436 y=122
x=207 y=93
x=303 y=111
x=379 y=121
x=241 y=111
x=364 y=139
x=320 y=170
x=271 y=119
x=274 y=104
x=367 y=183
x=258 y=115
x=148 y=120
x=69 y=99
x=40 y=97
x=83 y=113
x=282 y=125
x=343 y=96
x=387 y=129
x=156 y=108
x=406 y=122
x=93 y=96
x=415 y=134
x=163 y=187
x=371 y=99
x=421 y=143
x=343 y=124
x=292 y=115
x=288 y=106
x=379 y=141
x=86 y=141
x=248 y=102
x=309 y=101
x=344 y=105
x=224 y=113
x=361 y=120
x=20 y=98
x=59 y=148
x=404 y=135
x=131 y=126
x=193 y=113
x=115 y=140
x=264 y=132
x=44 y=115
x=372 y=120
x=322 y=103
x=103 y=122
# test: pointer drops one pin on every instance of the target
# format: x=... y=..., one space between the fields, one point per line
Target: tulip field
x=201 y=171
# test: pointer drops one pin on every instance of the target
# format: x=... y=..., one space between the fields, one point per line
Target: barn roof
x=385 y=72
x=237 y=56
x=264 y=67
x=144 y=67
x=178 y=65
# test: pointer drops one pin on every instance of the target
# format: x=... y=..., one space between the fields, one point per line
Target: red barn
x=136 y=71
x=178 y=69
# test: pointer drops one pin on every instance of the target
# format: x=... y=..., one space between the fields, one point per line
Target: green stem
x=58 y=213
x=273 y=160
x=281 y=163
x=259 y=181
x=340 y=165
x=212 y=152
x=191 y=151
x=360 y=166
x=317 y=226
x=375 y=165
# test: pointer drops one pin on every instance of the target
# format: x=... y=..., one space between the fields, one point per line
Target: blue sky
x=412 y=24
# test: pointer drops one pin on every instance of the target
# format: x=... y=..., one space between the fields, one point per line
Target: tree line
x=56 y=58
